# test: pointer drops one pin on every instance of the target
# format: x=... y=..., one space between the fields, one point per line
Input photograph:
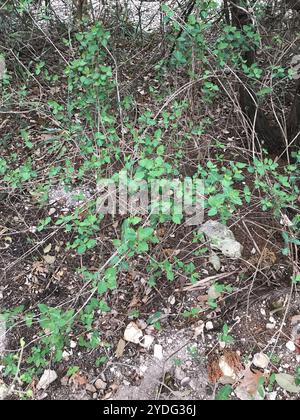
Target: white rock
x=271 y=396
x=66 y=355
x=272 y=320
x=132 y=333
x=147 y=341
x=262 y=311
x=231 y=248
x=48 y=377
x=285 y=221
x=222 y=344
x=209 y=326
x=171 y=300
x=221 y=237
x=185 y=381
x=199 y=330
x=261 y=360
x=73 y=344
x=99 y=384
x=3 y=391
x=158 y=352
x=291 y=346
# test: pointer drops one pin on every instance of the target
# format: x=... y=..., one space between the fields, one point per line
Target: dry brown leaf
x=161 y=232
x=234 y=360
x=134 y=302
x=202 y=298
x=78 y=380
x=170 y=252
x=120 y=348
x=49 y=259
x=251 y=382
x=46 y=136
x=214 y=371
x=38 y=267
x=231 y=358
x=265 y=260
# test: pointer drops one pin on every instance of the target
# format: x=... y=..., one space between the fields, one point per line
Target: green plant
x=224 y=393
x=135 y=241
x=225 y=337
x=84 y=228
x=101 y=361
x=177 y=361
x=154 y=320
x=297 y=378
x=194 y=312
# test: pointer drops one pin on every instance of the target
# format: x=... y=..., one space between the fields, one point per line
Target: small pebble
x=261 y=360
x=209 y=326
x=263 y=312
x=272 y=320
x=90 y=388
x=291 y=346
x=73 y=344
x=158 y=352
x=99 y=384
x=185 y=381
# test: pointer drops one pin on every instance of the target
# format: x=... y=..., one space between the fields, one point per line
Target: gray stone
x=47 y=378
x=90 y=388
x=220 y=237
x=100 y=385
x=3 y=391
x=68 y=197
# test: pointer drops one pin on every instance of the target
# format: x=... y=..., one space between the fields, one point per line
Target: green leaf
x=81 y=249
x=110 y=277
x=102 y=287
x=167 y=10
x=264 y=91
x=160 y=150
x=224 y=393
x=177 y=218
x=145 y=233
x=142 y=247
